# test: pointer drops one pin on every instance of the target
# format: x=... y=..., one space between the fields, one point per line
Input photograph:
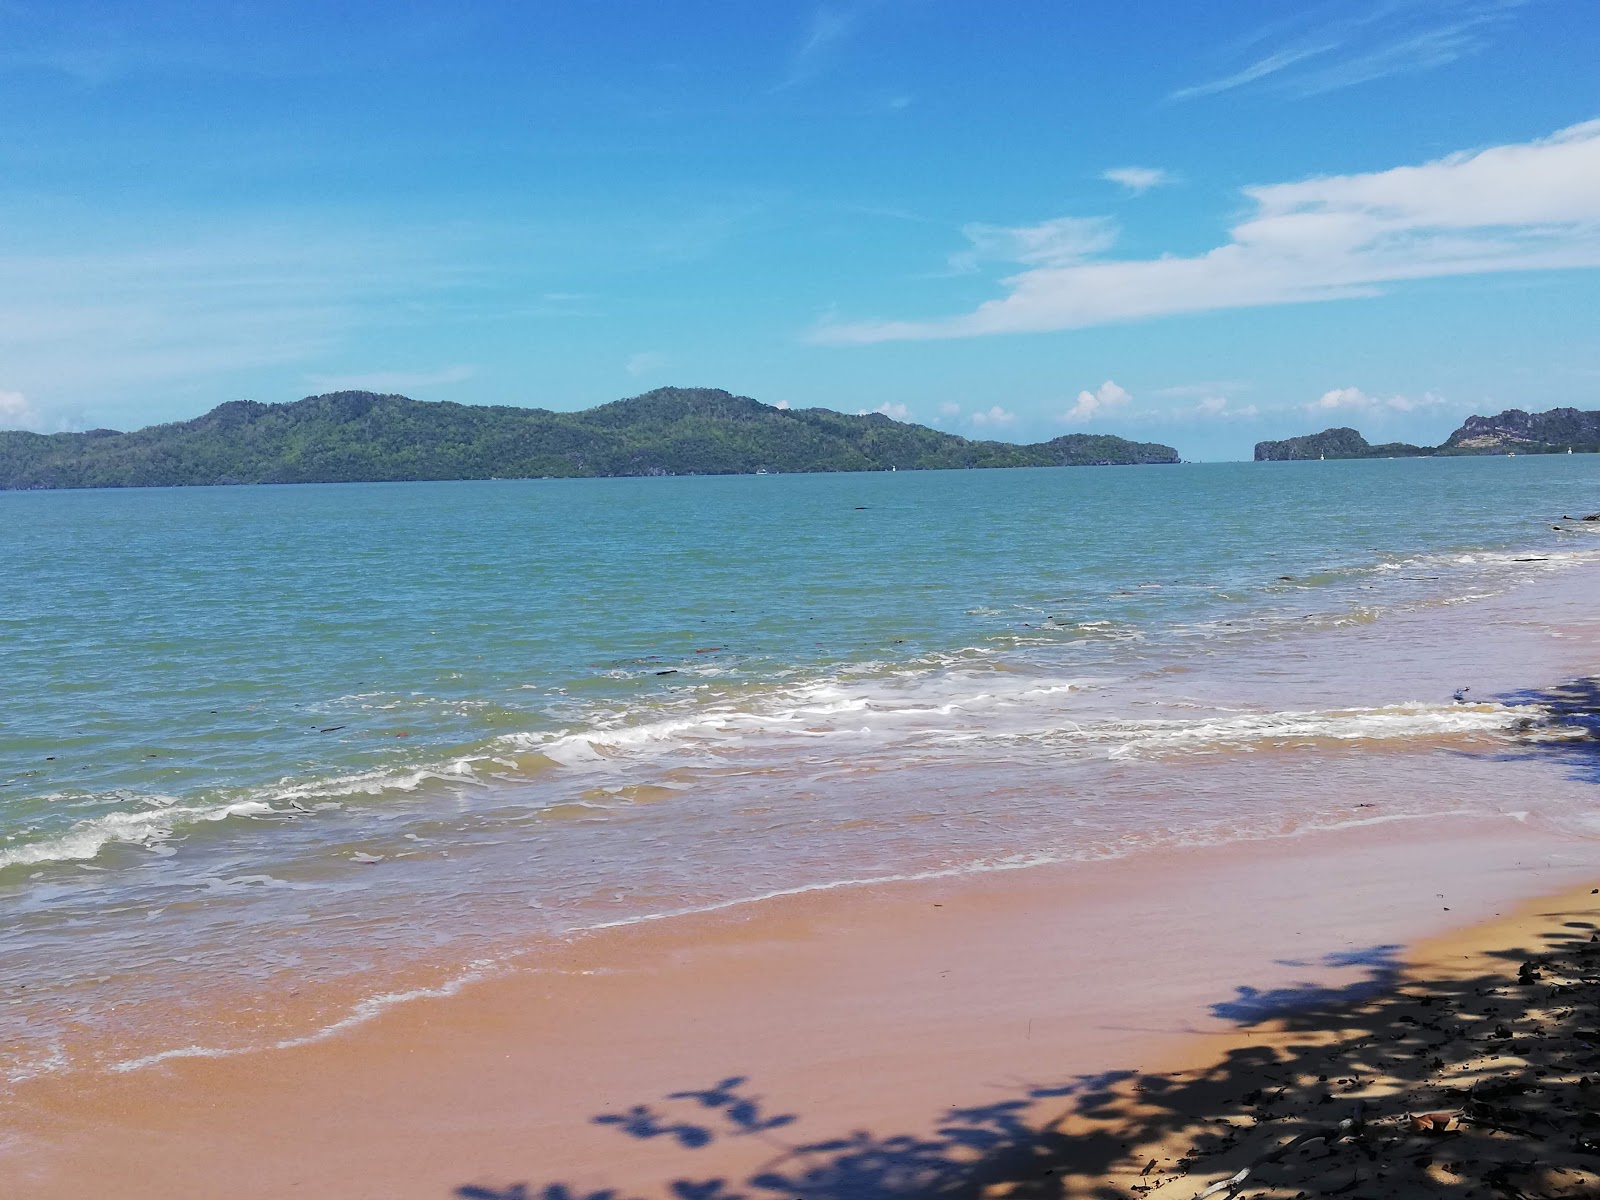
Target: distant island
x=351 y=437
x=1512 y=432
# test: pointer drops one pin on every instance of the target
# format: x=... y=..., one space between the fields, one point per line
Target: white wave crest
x=1394 y=722
x=87 y=838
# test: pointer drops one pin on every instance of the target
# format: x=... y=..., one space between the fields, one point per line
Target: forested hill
x=1342 y=442
x=359 y=436
x=1510 y=432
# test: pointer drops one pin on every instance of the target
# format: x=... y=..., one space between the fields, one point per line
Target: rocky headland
x=1512 y=432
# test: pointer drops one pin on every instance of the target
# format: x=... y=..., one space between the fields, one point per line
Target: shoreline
x=605 y=1059
x=876 y=1008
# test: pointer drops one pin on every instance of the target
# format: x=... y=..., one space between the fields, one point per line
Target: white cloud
x=994 y=416
x=1522 y=207
x=1103 y=399
x=782 y=406
x=17 y=413
x=895 y=412
x=1138 y=180
x=1355 y=398
x=644 y=363
x=950 y=409
x=391 y=381
x=1055 y=243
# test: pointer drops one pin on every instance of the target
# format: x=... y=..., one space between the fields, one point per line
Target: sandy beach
x=844 y=600
x=707 y=1048
x=1239 y=917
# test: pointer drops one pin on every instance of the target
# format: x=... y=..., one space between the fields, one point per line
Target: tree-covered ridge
x=1513 y=431
x=1342 y=442
x=363 y=437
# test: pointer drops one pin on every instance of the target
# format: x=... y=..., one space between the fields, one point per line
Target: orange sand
x=869 y=1008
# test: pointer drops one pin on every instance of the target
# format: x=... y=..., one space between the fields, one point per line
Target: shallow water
x=263 y=740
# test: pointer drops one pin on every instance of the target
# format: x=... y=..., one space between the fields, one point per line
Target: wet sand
x=875 y=1009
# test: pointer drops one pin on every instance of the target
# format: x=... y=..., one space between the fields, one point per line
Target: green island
x=350 y=437
x=1559 y=431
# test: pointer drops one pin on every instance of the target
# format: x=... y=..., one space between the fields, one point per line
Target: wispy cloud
x=828 y=27
x=392 y=381
x=1354 y=398
x=97 y=45
x=184 y=308
x=1531 y=206
x=1260 y=69
x=895 y=412
x=1392 y=38
x=1217 y=408
x=1053 y=243
x=1138 y=180
x=1210 y=388
x=646 y=362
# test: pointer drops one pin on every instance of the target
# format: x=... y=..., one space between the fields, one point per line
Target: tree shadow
x=1252 y=1006
x=1480 y=1085
x=1398 y=1085
x=1568 y=728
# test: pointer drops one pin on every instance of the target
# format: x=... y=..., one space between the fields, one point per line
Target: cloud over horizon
x=17 y=413
x=1529 y=206
x=1358 y=400
x=1108 y=396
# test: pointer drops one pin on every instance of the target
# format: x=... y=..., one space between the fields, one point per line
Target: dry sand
x=994 y=1034
x=1476 y=1074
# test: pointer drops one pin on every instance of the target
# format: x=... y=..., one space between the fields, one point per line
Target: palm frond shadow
x=1508 y=1063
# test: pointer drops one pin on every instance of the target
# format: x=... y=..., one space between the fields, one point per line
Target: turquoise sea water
x=430 y=719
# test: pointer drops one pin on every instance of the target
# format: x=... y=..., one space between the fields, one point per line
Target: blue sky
x=1199 y=224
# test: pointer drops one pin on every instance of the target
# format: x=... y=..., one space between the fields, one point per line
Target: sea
x=275 y=758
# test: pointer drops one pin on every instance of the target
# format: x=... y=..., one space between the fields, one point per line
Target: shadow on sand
x=1453 y=1086
x=1571 y=721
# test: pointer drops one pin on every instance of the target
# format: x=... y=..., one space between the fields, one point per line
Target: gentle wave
x=479 y=970
x=944 y=697
x=360 y=1014
x=87 y=838
x=1392 y=722
x=1113 y=738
